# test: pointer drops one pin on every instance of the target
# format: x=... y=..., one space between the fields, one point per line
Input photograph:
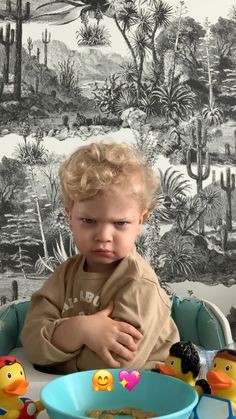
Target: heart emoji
x=129 y=379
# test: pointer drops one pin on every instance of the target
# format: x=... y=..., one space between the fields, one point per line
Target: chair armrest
x=12 y=317
x=21 y=308
x=8 y=329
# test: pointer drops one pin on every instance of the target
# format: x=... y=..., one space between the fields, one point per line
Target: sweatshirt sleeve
x=143 y=305
x=44 y=315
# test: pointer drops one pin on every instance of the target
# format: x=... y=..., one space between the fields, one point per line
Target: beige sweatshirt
x=70 y=291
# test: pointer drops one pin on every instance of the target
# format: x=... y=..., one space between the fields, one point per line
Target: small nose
x=103 y=233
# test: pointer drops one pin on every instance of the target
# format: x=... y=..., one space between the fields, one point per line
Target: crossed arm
x=113 y=337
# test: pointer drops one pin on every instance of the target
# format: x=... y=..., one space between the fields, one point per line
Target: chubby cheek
x=136 y=230
x=82 y=240
x=125 y=245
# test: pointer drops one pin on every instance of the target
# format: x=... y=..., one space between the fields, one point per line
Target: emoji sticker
x=129 y=379
x=103 y=380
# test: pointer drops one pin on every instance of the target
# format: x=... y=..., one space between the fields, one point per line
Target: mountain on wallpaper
x=91 y=63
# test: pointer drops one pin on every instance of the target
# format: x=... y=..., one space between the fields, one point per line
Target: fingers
x=123 y=326
x=109 y=360
x=118 y=338
x=127 y=340
x=121 y=351
x=130 y=330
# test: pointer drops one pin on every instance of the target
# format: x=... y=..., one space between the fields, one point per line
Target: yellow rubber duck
x=222 y=375
x=183 y=362
x=13 y=385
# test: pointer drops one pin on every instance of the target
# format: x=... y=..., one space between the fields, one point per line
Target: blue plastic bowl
x=70 y=396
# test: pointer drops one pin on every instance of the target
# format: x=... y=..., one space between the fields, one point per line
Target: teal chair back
x=199 y=322
x=12 y=317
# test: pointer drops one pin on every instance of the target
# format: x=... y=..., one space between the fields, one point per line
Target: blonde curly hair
x=94 y=167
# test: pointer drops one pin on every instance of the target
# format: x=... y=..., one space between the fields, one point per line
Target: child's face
x=105 y=227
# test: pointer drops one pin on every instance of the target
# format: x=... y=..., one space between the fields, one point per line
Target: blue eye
x=88 y=221
x=121 y=223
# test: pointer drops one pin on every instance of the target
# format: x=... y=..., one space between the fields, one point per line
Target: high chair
x=199 y=321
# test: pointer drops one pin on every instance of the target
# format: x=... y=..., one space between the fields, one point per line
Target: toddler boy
x=103 y=308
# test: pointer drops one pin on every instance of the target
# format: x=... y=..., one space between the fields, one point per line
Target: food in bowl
x=109 y=414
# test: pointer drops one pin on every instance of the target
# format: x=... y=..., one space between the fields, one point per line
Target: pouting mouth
x=102 y=250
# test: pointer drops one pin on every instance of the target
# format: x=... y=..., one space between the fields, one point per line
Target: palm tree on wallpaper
x=176 y=206
x=212 y=114
x=137 y=24
x=32 y=155
x=177 y=99
x=141 y=40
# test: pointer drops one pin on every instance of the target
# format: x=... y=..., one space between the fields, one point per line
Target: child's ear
x=143 y=217
x=68 y=212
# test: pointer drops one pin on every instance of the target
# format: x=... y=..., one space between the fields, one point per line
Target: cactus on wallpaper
x=18 y=16
x=7 y=41
x=29 y=45
x=228 y=186
x=15 y=293
x=38 y=55
x=203 y=171
x=199 y=136
x=46 y=39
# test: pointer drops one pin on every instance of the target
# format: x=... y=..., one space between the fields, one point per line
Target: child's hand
x=106 y=337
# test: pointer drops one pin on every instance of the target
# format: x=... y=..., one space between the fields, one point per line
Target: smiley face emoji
x=103 y=380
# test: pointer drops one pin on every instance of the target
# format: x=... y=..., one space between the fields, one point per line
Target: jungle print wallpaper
x=160 y=75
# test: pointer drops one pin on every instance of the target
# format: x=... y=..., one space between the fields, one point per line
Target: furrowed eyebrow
x=127 y=218
x=117 y=220
x=86 y=216
x=83 y=215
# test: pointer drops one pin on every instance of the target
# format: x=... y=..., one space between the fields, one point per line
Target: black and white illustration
x=158 y=74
